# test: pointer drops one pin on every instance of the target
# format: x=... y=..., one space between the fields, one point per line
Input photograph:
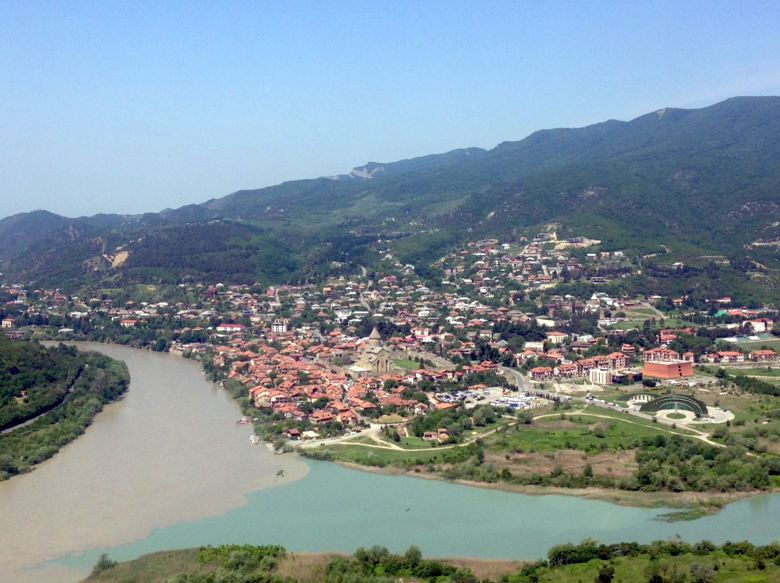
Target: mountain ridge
x=705 y=180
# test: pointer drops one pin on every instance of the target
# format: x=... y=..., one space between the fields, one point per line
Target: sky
x=131 y=107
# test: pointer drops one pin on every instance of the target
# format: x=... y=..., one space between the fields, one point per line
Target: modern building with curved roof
x=683 y=402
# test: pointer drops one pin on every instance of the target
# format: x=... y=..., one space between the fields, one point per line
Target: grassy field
x=374 y=456
x=630 y=419
x=627 y=325
x=579 y=430
x=774 y=344
x=628 y=570
x=406 y=363
x=414 y=442
x=639 y=312
x=754 y=372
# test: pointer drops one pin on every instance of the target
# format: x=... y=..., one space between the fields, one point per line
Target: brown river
x=170 y=451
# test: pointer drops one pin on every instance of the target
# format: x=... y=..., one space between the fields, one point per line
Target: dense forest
x=49 y=397
x=33 y=379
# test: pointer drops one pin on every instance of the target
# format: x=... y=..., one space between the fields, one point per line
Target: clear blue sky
x=132 y=107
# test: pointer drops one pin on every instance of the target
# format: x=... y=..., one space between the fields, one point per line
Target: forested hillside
x=689 y=184
x=48 y=396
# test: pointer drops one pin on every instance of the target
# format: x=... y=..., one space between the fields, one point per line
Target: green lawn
x=548 y=435
x=413 y=443
x=628 y=325
x=637 y=312
x=757 y=344
x=372 y=456
x=759 y=372
x=630 y=419
x=406 y=363
x=628 y=570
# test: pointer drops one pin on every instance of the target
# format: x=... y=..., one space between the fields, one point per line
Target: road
x=522 y=384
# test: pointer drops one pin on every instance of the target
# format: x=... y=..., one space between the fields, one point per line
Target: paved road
x=522 y=384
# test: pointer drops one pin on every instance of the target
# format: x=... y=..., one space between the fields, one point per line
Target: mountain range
x=692 y=184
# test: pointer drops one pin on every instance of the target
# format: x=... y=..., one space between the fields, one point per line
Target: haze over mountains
x=701 y=182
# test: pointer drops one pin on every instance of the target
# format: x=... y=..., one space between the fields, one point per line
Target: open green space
x=406 y=363
x=636 y=312
x=414 y=442
x=377 y=456
x=577 y=431
x=755 y=372
x=629 y=419
x=772 y=343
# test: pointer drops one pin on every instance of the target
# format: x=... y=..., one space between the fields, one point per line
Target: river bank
x=685 y=505
x=689 y=504
x=301 y=566
x=173 y=451
x=167 y=453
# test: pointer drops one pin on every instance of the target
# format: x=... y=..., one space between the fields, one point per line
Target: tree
x=7 y=464
x=413 y=556
x=701 y=573
x=103 y=564
x=605 y=574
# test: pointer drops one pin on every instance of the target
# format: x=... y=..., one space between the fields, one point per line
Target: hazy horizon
x=131 y=109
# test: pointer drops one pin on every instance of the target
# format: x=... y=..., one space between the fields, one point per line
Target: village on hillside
x=385 y=347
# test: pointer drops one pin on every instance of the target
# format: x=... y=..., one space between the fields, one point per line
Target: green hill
x=699 y=182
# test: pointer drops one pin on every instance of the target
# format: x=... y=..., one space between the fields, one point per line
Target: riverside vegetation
x=670 y=561
x=622 y=460
x=48 y=397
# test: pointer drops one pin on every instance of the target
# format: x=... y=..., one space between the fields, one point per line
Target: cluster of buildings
x=485 y=286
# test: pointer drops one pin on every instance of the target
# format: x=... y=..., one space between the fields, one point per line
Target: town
x=309 y=362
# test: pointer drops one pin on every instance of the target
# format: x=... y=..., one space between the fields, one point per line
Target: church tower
x=374 y=340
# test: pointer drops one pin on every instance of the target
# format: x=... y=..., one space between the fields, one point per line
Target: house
x=321 y=417
x=760 y=324
x=617 y=360
x=347 y=418
x=8 y=323
x=763 y=356
x=229 y=327
x=280 y=326
x=660 y=355
x=541 y=373
x=730 y=356
x=556 y=337
x=566 y=371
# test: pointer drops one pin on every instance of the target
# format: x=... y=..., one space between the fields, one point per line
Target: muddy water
x=169 y=452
